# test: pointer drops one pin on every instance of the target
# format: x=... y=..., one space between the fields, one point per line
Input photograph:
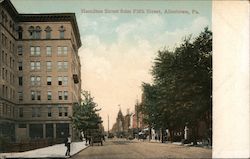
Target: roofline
x=43 y=17
x=53 y=17
x=10 y=8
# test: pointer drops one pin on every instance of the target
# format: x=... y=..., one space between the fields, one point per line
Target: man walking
x=67 y=144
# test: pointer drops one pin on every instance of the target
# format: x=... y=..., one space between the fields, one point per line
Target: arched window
x=61 y=30
x=48 y=32
x=32 y=32
x=20 y=32
x=38 y=33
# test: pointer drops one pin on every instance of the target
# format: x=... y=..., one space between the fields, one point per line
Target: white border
x=231 y=110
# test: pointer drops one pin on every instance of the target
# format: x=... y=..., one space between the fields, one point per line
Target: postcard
x=124 y=79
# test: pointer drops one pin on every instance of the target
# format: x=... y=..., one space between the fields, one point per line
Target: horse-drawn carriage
x=95 y=136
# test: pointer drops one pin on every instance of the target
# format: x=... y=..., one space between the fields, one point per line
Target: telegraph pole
x=108 y=125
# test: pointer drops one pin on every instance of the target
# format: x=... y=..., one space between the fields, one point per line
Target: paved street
x=120 y=149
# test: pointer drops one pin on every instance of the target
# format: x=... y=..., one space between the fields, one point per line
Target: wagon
x=95 y=136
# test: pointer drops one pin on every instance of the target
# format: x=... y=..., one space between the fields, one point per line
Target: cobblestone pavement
x=125 y=149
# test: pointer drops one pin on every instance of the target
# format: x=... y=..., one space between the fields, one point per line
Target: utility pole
x=108 y=125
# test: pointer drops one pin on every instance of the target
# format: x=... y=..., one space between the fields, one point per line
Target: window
x=35 y=50
x=62 y=50
x=38 y=33
x=60 y=111
x=10 y=46
x=20 y=66
x=59 y=80
x=48 y=32
x=49 y=80
x=2 y=73
x=61 y=34
x=2 y=38
x=38 y=65
x=38 y=93
x=49 y=112
x=38 y=80
x=49 y=51
x=20 y=112
x=20 y=81
x=60 y=95
x=13 y=63
x=35 y=33
x=65 y=80
x=32 y=65
x=32 y=80
x=32 y=51
x=59 y=65
x=49 y=95
x=49 y=65
x=65 y=94
x=59 y=51
x=20 y=32
x=65 y=65
x=20 y=96
x=10 y=62
x=3 y=56
x=35 y=80
x=33 y=95
x=31 y=32
x=65 y=111
x=61 y=30
x=65 y=50
x=20 y=50
x=6 y=77
x=35 y=65
x=48 y=35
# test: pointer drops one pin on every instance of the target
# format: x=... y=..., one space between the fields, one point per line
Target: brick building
x=39 y=73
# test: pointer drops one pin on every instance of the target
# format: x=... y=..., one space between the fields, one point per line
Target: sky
x=118 y=47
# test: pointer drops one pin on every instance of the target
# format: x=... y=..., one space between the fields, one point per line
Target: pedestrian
x=67 y=144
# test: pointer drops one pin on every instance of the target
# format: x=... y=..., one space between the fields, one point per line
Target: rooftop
x=43 y=17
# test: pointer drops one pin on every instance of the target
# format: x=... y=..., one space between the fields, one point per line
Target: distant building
x=122 y=125
x=138 y=116
x=39 y=73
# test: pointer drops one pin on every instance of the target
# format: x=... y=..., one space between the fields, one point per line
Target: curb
x=56 y=157
x=78 y=151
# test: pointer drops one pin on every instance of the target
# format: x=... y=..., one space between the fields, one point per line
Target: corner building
x=39 y=73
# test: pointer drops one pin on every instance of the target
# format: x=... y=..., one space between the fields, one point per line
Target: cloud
x=98 y=25
x=172 y=39
x=139 y=27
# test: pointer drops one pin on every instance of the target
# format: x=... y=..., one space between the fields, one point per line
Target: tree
x=182 y=88
x=85 y=115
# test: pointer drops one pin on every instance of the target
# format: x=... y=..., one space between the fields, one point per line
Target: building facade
x=39 y=73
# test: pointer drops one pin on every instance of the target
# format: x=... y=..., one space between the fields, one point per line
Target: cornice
x=43 y=17
x=9 y=8
x=53 y=17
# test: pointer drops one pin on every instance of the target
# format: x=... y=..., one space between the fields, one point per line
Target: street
x=121 y=148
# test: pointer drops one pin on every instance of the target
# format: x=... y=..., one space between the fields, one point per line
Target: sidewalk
x=199 y=144
x=55 y=151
